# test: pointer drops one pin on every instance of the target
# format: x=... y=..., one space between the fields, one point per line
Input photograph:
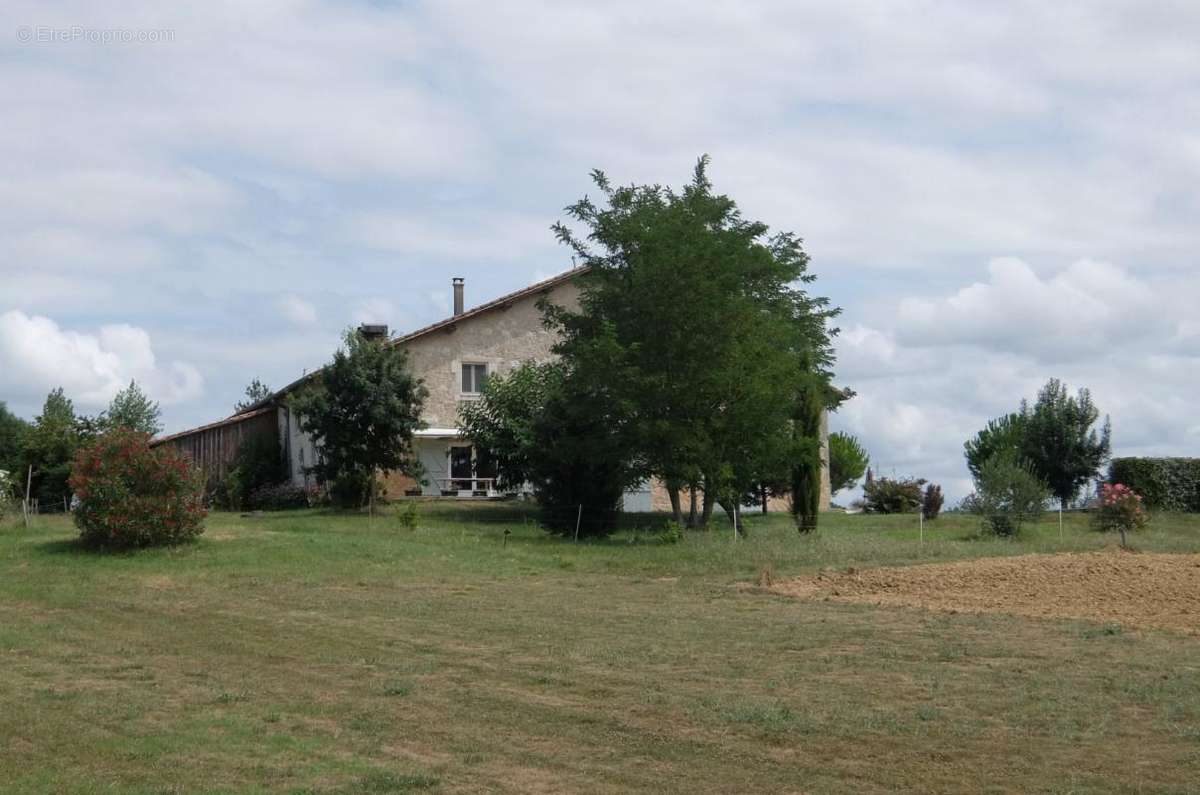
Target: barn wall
x=214 y=448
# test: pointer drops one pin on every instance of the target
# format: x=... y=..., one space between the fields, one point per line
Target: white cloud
x=298 y=311
x=1084 y=309
x=931 y=372
x=36 y=355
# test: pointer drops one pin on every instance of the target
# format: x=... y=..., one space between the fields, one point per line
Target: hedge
x=1166 y=484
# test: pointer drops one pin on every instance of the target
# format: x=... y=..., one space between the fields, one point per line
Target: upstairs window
x=474 y=378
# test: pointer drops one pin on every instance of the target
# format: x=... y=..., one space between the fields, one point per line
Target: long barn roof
x=502 y=302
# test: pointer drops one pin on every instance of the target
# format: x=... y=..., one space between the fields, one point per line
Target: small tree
x=50 y=446
x=132 y=495
x=847 y=461
x=546 y=426
x=256 y=392
x=806 y=471
x=13 y=436
x=133 y=410
x=1007 y=495
x=931 y=503
x=361 y=412
x=1120 y=509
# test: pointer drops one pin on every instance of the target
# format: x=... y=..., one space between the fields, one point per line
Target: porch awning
x=438 y=433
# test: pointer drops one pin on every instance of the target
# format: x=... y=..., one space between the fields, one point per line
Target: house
x=454 y=357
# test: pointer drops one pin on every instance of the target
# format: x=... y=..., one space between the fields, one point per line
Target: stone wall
x=501 y=338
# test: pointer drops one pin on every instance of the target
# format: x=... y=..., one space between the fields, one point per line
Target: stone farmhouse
x=454 y=357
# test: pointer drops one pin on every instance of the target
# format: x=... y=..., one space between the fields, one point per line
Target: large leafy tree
x=848 y=461
x=1061 y=442
x=256 y=392
x=362 y=410
x=131 y=409
x=698 y=321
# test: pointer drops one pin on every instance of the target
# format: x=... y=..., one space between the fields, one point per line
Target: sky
x=994 y=193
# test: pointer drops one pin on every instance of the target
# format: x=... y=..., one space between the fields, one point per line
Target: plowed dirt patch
x=1137 y=590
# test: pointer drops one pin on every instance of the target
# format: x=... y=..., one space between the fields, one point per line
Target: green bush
x=1166 y=484
x=279 y=497
x=672 y=533
x=892 y=495
x=349 y=490
x=931 y=503
x=406 y=515
x=132 y=495
x=256 y=466
x=1007 y=495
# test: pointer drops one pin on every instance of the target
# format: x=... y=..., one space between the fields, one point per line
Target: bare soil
x=1133 y=589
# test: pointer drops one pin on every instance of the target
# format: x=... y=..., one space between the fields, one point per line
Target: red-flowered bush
x=130 y=495
x=1120 y=509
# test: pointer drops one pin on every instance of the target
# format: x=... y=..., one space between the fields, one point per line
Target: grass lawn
x=311 y=652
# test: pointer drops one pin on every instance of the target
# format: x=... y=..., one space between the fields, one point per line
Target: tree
x=256 y=392
x=361 y=411
x=1060 y=443
x=1003 y=435
x=847 y=461
x=806 y=472
x=50 y=446
x=693 y=316
x=1008 y=493
x=13 y=434
x=548 y=427
x=1055 y=439
x=132 y=410
x=503 y=421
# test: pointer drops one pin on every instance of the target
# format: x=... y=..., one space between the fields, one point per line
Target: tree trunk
x=728 y=508
x=763 y=491
x=709 y=501
x=676 y=507
x=691 y=522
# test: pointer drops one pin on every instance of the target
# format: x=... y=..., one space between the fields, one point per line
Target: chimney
x=457 y=283
x=373 y=331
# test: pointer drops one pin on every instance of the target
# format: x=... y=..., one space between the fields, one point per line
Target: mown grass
x=322 y=653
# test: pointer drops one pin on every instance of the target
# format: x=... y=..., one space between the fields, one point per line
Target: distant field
x=319 y=653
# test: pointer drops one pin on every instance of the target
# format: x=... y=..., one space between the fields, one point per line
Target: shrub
x=406 y=515
x=1120 y=509
x=279 y=497
x=1165 y=484
x=1007 y=495
x=132 y=495
x=672 y=533
x=256 y=466
x=931 y=503
x=892 y=495
x=349 y=490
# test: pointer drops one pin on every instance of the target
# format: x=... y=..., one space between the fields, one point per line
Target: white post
x=922 y=520
x=25 y=505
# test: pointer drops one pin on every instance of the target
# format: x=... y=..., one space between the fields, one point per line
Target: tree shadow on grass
x=75 y=547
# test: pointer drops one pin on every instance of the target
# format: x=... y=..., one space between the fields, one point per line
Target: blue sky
x=994 y=193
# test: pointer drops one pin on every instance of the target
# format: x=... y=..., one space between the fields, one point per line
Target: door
x=460 y=468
